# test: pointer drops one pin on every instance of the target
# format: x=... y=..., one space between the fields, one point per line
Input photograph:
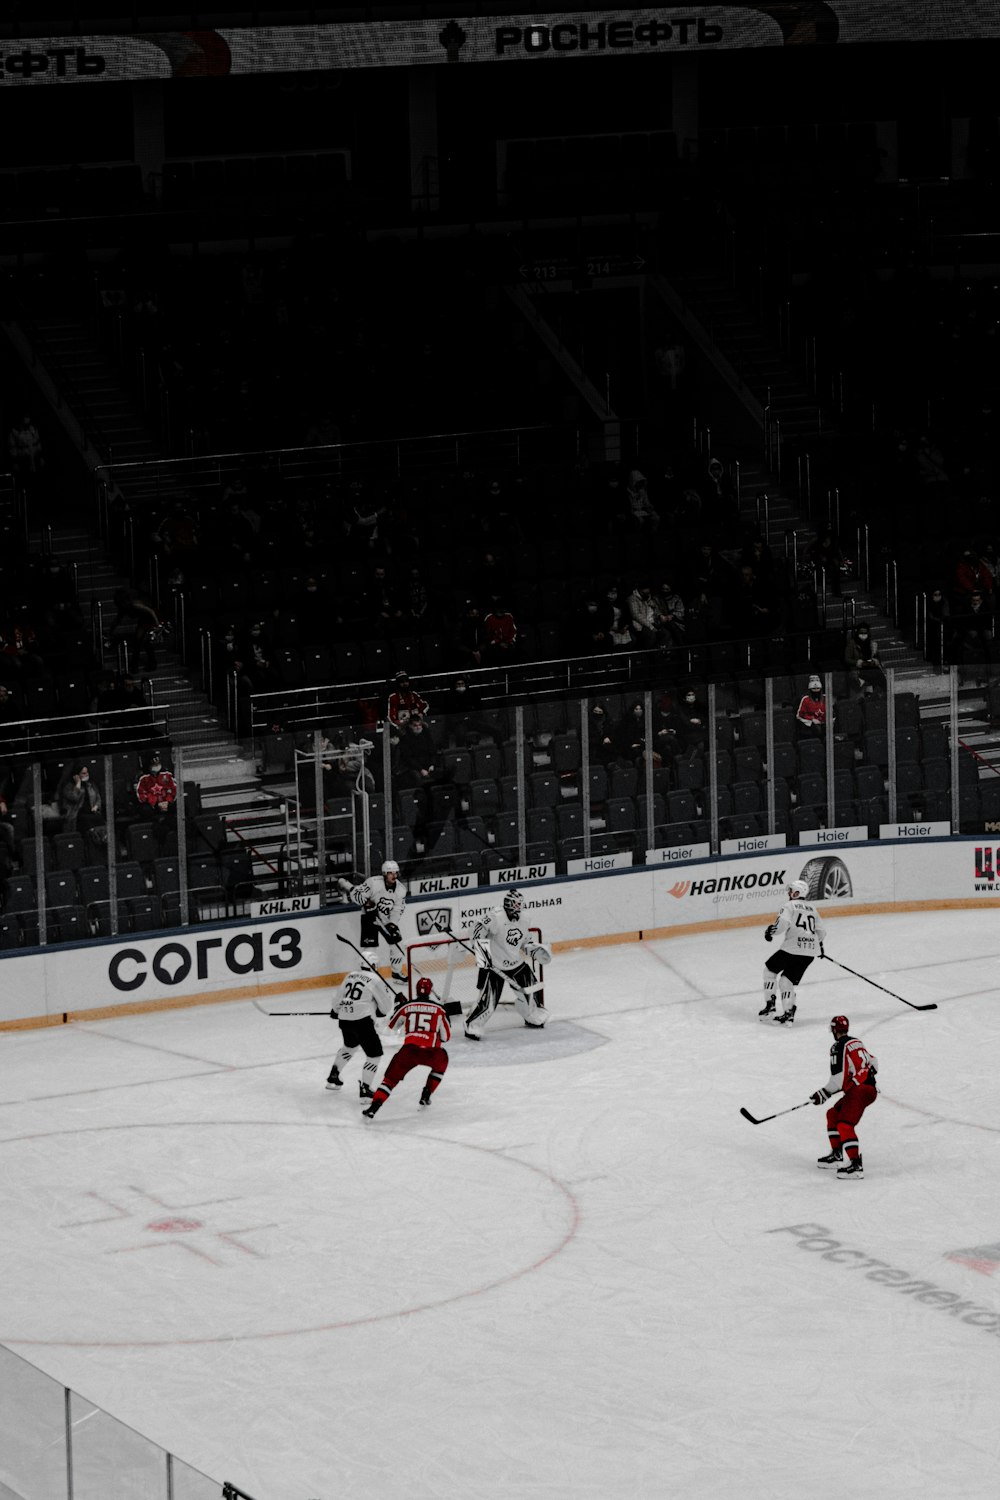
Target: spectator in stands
x=828 y=560
x=939 y=629
x=366 y=516
x=671 y=727
x=257 y=654
x=10 y=711
x=156 y=793
x=641 y=509
x=751 y=606
x=716 y=490
x=974 y=628
x=757 y=555
x=79 y=799
x=590 y=629
x=670 y=606
x=500 y=630
x=417 y=755
x=694 y=714
x=17 y=650
x=713 y=586
x=648 y=630
x=811 y=712
x=971 y=575
x=25 y=448
x=126 y=693
x=621 y=621
x=601 y=735
x=861 y=657
x=405 y=702
x=416 y=612
x=324 y=432
x=630 y=732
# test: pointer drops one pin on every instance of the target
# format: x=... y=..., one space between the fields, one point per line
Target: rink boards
x=258 y=958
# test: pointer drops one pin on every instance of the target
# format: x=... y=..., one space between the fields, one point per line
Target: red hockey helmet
x=840 y=1025
x=424 y=988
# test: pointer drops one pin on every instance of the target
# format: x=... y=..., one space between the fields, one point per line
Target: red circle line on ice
x=275 y=1333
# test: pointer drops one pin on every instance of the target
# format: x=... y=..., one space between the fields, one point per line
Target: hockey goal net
x=452 y=969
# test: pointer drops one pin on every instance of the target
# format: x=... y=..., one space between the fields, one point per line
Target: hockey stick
x=342 y=939
x=289 y=1012
x=910 y=1003
x=754 y=1121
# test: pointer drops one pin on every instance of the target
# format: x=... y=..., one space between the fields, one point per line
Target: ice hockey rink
x=580 y=1274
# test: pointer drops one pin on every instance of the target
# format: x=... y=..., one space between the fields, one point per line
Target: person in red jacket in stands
x=156 y=792
x=501 y=633
x=405 y=703
x=811 y=712
x=972 y=576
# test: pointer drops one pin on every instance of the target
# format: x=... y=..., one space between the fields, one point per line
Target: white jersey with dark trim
x=502 y=943
x=801 y=928
x=361 y=994
x=389 y=901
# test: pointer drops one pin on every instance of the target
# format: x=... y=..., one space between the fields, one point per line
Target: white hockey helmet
x=512 y=903
x=798 y=888
x=390 y=867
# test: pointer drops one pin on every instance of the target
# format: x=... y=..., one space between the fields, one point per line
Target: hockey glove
x=769 y=932
x=344 y=886
x=820 y=1096
x=391 y=933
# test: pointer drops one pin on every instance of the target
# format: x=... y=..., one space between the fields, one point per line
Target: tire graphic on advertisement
x=828 y=878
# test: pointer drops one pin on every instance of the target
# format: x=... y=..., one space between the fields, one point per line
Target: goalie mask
x=512 y=903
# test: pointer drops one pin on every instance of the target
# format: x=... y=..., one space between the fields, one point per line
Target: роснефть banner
x=499 y=38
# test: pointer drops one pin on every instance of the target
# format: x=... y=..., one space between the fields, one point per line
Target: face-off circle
x=191 y=1232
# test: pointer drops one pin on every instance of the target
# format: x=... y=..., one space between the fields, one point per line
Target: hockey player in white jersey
x=802 y=931
x=505 y=952
x=382 y=899
x=363 y=995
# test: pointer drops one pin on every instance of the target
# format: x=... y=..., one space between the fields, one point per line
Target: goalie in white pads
x=362 y=996
x=382 y=899
x=802 y=931
x=506 y=951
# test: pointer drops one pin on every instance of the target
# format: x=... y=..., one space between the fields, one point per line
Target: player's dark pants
x=792 y=965
x=842 y=1117
x=361 y=1034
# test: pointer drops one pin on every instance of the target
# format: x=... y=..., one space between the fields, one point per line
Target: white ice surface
x=571 y=1278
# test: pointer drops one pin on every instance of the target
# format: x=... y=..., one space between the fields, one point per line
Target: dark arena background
x=538 y=448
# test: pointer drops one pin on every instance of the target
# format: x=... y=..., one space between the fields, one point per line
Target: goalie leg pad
x=490 y=985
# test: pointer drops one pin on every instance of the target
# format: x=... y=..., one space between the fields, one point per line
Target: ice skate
x=790 y=1013
x=371 y=1111
x=767 y=1011
x=854 y=1170
x=425 y=1097
x=365 y=1091
x=470 y=1036
x=834 y=1159
x=779 y=1018
x=334 y=1081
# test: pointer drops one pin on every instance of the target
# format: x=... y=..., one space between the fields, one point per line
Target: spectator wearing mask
x=630 y=733
x=694 y=715
x=811 y=712
x=156 y=794
x=861 y=657
x=601 y=735
x=79 y=799
x=590 y=632
x=974 y=628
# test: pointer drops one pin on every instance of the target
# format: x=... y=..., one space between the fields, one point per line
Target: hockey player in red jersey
x=853 y=1069
x=425 y=1029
